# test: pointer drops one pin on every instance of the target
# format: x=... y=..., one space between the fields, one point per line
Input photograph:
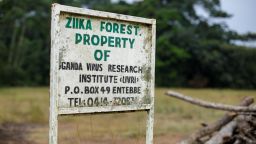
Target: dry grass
x=173 y=118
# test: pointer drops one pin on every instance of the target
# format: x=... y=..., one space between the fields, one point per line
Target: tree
x=190 y=50
x=24 y=42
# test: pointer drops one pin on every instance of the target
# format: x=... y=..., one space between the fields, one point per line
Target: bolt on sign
x=100 y=62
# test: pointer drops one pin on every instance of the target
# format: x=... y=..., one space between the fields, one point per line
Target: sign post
x=100 y=62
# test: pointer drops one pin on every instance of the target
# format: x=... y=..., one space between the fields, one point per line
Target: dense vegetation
x=191 y=52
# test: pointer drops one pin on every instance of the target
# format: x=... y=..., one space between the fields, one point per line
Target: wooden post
x=53 y=117
x=150 y=112
x=150 y=126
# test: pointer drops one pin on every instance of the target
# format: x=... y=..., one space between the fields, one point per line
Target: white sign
x=100 y=62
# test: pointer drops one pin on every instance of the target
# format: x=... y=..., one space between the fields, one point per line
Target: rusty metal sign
x=100 y=62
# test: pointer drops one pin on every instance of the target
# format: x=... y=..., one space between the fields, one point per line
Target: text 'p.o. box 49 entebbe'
x=100 y=62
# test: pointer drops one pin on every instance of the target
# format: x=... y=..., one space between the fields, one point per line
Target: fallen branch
x=195 y=137
x=211 y=105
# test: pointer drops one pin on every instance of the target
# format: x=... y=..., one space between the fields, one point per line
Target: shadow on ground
x=13 y=133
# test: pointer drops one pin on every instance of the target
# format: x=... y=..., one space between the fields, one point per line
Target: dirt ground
x=12 y=133
x=24 y=116
x=165 y=139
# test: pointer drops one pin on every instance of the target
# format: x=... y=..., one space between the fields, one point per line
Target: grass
x=172 y=117
x=22 y=105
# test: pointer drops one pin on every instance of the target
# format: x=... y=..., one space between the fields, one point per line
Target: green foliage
x=25 y=41
x=190 y=51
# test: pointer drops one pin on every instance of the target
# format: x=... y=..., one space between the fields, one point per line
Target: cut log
x=238 y=141
x=224 y=134
x=246 y=139
x=195 y=137
x=243 y=131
